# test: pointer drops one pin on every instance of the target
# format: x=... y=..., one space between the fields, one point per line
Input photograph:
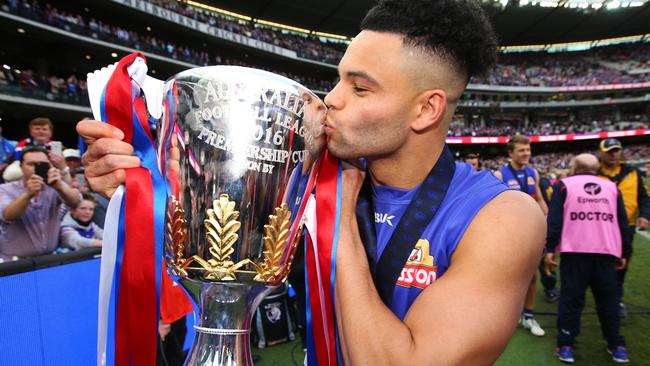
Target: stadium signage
x=548 y=138
x=179 y=19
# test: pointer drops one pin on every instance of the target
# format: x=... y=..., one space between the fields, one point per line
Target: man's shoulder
x=510 y=210
x=12 y=188
x=510 y=228
x=469 y=182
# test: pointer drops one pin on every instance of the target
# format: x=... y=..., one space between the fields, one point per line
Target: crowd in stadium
x=598 y=66
x=147 y=43
x=52 y=87
x=45 y=196
x=552 y=164
x=307 y=47
x=542 y=126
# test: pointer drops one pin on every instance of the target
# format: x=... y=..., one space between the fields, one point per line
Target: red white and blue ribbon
x=322 y=217
x=131 y=267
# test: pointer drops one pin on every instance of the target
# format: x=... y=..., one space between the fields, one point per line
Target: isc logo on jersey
x=419 y=270
x=513 y=183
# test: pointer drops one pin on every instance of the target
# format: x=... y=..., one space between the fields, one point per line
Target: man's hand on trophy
x=106 y=157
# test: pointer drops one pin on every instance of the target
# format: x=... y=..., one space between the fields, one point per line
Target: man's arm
x=485 y=284
x=538 y=194
x=627 y=234
x=16 y=208
x=69 y=195
x=644 y=204
x=555 y=217
x=498 y=175
x=71 y=238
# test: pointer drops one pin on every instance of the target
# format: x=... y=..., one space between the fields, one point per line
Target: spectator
x=73 y=161
x=474 y=159
x=77 y=229
x=100 y=209
x=587 y=224
x=40 y=134
x=7 y=149
x=629 y=182
x=29 y=208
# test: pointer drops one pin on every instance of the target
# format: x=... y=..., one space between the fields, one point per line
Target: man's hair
x=517 y=139
x=31 y=149
x=40 y=121
x=88 y=197
x=456 y=31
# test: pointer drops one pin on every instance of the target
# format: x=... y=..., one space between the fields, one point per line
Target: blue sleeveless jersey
x=524 y=176
x=468 y=192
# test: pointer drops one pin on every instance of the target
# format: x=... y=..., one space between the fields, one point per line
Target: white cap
x=12 y=172
x=71 y=153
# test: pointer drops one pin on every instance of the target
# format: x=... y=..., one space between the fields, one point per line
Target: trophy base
x=222 y=317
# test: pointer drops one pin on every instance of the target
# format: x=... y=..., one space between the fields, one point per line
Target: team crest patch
x=513 y=183
x=419 y=270
x=531 y=181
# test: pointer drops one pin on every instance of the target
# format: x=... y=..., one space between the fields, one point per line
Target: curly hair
x=456 y=31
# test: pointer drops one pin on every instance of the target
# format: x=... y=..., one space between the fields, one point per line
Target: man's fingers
x=94 y=130
x=107 y=184
x=111 y=163
x=103 y=147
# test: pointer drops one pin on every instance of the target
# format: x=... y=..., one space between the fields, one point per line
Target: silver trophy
x=239 y=148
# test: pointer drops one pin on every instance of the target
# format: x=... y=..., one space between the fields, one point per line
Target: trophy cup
x=239 y=149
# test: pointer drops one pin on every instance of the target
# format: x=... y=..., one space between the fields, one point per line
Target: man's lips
x=327 y=126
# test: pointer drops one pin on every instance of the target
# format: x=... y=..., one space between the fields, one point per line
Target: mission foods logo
x=419 y=270
x=592 y=189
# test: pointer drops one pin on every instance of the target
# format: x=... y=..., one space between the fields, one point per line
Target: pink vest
x=590 y=217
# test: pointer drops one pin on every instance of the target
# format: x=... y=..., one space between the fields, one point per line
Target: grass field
x=528 y=350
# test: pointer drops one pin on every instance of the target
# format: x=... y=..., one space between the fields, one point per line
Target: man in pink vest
x=587 y=223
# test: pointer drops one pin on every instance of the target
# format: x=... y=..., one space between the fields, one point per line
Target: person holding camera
x=29 y=208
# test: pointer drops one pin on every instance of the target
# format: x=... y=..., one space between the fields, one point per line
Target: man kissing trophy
x=229 y=157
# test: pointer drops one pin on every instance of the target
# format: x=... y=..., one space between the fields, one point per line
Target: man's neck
x=404 y=169
x=611 y=166
x=517 y=166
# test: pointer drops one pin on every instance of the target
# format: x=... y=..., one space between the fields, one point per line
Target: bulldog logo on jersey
x=513 y=183
x=531 y=181
x=419 y=270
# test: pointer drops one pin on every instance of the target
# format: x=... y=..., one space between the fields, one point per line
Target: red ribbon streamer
x=322 y=309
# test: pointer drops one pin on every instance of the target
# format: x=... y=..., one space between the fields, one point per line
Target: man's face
x=73 y=163
x=84 y=212
x=610 y=158
x=29 y=163
x=520 y=154
x=473 y=162
x=372 y=104
x=41 y=133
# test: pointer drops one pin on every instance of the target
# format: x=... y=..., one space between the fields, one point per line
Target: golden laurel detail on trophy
x=222 y=226
x=177 y=232
x=276 y=233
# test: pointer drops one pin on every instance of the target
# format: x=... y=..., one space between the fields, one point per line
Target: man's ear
x=432 y=105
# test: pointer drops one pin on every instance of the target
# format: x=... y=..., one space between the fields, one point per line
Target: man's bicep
x=486 y=284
